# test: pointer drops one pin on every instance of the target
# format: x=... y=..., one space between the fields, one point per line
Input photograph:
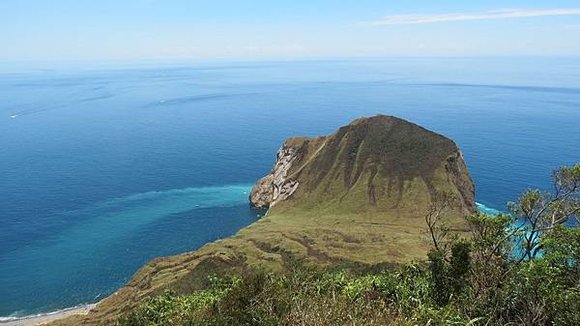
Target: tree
x=536 y=213
x=441 y=204
x=448 y=268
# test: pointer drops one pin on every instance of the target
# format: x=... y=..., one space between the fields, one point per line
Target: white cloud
x=466 y=16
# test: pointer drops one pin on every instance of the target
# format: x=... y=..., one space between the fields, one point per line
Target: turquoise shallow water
x=104 y=168
x=110 y=235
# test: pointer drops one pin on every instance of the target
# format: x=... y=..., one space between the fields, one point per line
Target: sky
x=274 y=29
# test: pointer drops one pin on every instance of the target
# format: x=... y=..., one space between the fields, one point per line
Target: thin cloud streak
x=413 y=19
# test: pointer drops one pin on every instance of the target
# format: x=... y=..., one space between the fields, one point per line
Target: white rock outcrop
x=276 y=186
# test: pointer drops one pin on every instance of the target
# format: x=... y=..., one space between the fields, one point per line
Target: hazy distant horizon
x=82 y=64
x=259 y=29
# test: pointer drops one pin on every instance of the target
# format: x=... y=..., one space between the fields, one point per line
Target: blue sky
x=260 y=29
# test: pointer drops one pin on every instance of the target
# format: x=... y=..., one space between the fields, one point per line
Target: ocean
x=104 y=167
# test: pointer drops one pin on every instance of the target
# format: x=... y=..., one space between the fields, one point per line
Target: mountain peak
x=395 y=163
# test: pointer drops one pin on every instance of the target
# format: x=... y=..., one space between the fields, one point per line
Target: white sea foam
x=15 y=319
x=488 y=210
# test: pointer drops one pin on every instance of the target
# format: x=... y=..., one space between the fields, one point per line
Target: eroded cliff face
x=276 y=186
x=358 y=195
x=459 y=177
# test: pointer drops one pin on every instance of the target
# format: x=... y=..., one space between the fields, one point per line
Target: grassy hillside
x=457 y=291
x=361 y=199
x=377 y=164
x=469 y=283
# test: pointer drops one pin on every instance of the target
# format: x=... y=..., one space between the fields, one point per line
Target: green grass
x=452 y=288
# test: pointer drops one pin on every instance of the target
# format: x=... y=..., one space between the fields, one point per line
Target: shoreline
x=83 y=309
x=43 y=318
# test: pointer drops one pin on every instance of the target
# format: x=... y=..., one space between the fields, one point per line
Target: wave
x=543 y=89
x=53 y=107
x=198 y=98
x=37 y=318
x=84 y=96
x=487 y=210
x=96 y=98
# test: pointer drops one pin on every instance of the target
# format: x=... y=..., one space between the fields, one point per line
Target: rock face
x=276 y=186
x=359 y=195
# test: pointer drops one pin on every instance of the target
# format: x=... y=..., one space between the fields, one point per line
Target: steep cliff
x=358 y=195
x=276 y=186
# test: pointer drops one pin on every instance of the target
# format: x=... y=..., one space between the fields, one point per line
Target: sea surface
x=104 y=167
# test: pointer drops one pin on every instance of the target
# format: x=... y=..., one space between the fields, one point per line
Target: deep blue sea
x=105 y=167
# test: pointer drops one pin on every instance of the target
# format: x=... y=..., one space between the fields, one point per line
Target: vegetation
x=517 y=269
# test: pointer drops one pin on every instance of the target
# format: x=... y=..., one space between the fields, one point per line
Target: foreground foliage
x=503 y=273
